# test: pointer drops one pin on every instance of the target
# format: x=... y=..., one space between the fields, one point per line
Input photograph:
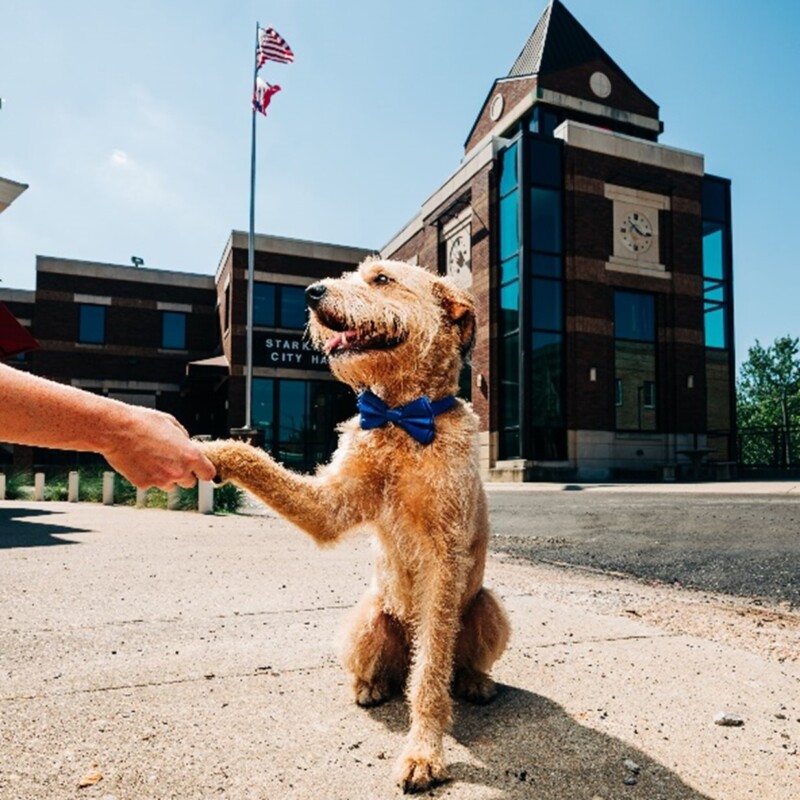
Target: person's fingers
x=187 y=483
x=204 y=469
x=177 y=424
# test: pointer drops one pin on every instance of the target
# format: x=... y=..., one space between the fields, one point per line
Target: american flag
x=272 y=47
x=263 y=94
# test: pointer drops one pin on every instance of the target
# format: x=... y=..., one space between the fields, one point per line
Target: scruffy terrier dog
x=408 y=469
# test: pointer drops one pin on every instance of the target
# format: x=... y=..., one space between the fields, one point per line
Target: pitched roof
x=558 y=42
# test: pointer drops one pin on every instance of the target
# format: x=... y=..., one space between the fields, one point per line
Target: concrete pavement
x=183 y=656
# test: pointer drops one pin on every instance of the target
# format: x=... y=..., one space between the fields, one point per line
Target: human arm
x=148 y=447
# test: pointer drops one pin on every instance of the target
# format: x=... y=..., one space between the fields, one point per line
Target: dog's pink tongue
x=342 y=340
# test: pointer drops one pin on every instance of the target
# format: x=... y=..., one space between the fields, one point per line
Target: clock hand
x=639 y=230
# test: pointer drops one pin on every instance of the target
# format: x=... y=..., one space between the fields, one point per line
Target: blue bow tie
x=415 y=418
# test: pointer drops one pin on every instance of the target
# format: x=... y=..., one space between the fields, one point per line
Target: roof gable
x=560 y=43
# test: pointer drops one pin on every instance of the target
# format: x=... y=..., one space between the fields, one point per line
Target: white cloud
x=127 y=180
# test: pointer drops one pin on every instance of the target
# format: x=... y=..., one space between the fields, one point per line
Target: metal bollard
x=38 y=486
x=2 y=486
x=205 y=497
x=141 y=498
x=173 y=499
x=108 y=488
x=72 y=487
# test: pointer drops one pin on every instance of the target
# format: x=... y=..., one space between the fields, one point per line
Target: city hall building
x=599 y=258
x=600 y=261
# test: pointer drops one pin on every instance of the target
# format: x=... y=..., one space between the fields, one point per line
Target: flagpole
x=251 y=255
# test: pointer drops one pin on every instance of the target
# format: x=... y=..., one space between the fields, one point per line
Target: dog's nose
x=315 y=293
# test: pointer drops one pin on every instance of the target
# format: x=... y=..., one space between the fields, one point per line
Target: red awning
x=14 y=337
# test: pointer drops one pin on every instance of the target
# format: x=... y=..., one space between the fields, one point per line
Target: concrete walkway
x=173 y=655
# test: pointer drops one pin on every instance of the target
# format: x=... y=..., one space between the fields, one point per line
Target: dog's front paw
x=224 y=455
x=418 y=772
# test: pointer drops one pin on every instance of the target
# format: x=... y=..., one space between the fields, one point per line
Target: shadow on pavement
x=17 y=531
x=524 y=745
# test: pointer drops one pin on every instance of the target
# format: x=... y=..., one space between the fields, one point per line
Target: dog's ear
x=459 y=308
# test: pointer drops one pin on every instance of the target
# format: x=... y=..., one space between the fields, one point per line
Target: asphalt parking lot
x=745 y=544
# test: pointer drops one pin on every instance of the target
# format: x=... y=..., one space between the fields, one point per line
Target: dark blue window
x=546 y=304
x=279 y=306
x=293 y=307
x=546 y=265
x=92 y=324
x=545 y=162
x=546 y=380
x=173 y=330
x=634 y=316
x=264 y=304
x=715 y=199
x=546 y=220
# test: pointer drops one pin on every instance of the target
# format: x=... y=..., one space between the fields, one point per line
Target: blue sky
x=131 y=122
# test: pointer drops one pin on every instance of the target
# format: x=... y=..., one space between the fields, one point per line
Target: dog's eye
x=381 y=280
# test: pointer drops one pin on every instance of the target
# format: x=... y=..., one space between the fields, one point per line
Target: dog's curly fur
x=427 y=623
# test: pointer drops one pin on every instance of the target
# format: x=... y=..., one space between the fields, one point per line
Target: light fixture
x=137 y=262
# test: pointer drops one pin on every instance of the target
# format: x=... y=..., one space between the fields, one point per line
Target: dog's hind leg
x=483 y=637
x=375 y=651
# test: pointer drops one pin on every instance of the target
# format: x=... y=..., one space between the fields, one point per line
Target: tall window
x=510 y=442
x=173 y=330
x=279 y=306
x=91 y=324
x=299 y=418
x=635 y=361
x=532 y=423
x=717 y=308
x=548 y=440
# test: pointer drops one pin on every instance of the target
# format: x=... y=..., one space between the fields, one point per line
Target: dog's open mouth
x=357 y=340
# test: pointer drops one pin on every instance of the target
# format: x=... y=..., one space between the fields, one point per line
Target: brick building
x=600 y=260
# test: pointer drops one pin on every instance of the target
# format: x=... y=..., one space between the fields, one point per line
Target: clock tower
x=600 y=261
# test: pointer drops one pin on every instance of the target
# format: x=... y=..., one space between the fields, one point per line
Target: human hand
x=151 y=448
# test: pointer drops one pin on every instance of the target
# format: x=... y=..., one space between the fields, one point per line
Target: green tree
x=768 y=389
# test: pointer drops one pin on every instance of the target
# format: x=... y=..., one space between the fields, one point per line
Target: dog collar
x=415 y=418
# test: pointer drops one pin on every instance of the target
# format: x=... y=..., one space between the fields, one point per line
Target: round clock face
x=496 y=109
x=600 y=84
x=636 y=232
x=458 y=254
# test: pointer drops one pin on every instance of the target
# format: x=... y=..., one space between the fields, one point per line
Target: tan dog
x=427 y=623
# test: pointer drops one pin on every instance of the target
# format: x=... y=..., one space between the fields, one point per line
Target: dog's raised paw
x=420 y=773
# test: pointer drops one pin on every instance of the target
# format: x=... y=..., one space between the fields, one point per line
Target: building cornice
x=17 y=296
x=599 y=140
x=120 y=272
x=548 y=96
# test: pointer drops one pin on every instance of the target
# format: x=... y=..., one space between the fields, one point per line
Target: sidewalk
x=186 y=656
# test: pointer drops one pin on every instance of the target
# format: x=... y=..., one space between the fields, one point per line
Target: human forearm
x=47 y=414
x=148 y=447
